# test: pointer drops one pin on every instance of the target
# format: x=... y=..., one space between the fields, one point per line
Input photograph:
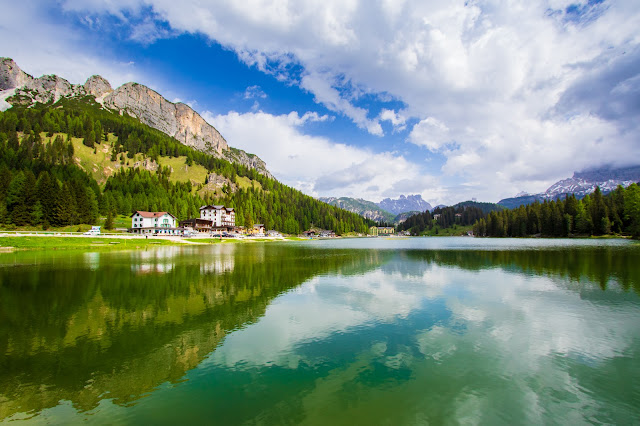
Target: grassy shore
x=48 y=242
x=71 y=243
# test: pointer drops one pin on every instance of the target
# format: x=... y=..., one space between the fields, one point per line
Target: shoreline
x=11 y=242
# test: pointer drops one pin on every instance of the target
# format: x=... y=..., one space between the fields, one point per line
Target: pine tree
x=108 y=223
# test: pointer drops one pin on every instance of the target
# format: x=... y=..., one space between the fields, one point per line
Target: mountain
x=401 y=217
x=580 y=184
x=177 y=120
x=405 y=204
x=70 y=156
x=366 y=209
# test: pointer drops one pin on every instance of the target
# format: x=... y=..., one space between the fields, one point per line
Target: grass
x=246 y=183
x=71 y=243
x=100 y=166
x=119 y=221
x=183 y=173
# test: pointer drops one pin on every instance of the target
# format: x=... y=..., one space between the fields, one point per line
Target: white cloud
x=511 y=84
x=397 y=119
x=431 y=133
x=317 y=165
x=253 y=92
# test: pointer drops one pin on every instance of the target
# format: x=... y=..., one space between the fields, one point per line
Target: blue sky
x=452 y=100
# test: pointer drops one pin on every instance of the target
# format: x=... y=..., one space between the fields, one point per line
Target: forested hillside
x=447 y=217
x=41 y=182
x=616 y=213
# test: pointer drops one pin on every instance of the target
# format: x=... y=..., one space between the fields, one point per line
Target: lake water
x=361 y=331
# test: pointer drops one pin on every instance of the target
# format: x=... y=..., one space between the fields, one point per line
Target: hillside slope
x=366 y=209
x=177 y=120
x=70 y=162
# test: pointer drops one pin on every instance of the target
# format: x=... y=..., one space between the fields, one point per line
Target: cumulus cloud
x=318 y=165
x=430 y=132
x=396 y=118
x=510 y=86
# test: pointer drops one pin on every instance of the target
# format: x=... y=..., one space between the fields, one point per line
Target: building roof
x=151 y=215
x=212 y=207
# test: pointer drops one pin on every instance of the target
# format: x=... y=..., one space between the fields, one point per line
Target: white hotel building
x=220 y=216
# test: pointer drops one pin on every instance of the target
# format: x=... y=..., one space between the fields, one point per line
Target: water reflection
x=404 y=336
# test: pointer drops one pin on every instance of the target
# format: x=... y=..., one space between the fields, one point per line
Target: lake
x=354 y=331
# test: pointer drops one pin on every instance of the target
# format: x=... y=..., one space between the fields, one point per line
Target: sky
x=452 y=100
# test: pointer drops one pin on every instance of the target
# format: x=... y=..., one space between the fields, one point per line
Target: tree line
x=596 y=214
x=447 y=217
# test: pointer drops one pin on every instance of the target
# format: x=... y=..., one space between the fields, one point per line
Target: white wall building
x=212 y=213
x=221 y=216
x=154 y=223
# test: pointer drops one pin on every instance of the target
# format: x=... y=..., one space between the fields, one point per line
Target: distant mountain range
x=366 y=209
x=580 y=184
x=388 y=210
x=405 y=204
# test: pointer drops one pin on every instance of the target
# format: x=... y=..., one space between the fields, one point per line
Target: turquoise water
x=362 y=331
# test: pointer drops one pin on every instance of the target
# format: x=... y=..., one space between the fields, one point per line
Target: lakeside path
x=10 y=241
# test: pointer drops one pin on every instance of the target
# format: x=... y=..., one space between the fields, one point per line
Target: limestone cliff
x=174 y=119
x=11 y=76
x=177 y=120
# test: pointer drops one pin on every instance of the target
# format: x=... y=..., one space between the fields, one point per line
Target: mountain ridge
x=607 y=178
x=377 y=212
x=177 y=120
x=365 y=208
x=405 y=204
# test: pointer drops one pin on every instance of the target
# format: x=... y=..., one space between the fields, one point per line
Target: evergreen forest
x=462 y=214
x=41 y=184
x=615 y=213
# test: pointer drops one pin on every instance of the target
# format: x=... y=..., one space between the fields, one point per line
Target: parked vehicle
x=95 y=230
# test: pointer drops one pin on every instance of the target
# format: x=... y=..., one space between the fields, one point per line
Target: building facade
x=381 y=230
x=220 y=216
x=154 y=223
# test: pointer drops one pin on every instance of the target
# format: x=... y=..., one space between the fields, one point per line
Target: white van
x=95 y=230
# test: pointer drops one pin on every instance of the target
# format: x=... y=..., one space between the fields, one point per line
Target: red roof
x=151 y=215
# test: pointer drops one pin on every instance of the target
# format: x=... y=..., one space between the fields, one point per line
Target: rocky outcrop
x=97 y=86
x=11 y=76
x=177 y=120
x=216 y=182
x=251 y=161
x=174 y=119
x=50 y=88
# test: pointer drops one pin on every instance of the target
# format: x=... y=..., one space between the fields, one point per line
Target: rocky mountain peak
x=97 y=86
x=405 y=204
x=11 y=76
x=177 y=120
